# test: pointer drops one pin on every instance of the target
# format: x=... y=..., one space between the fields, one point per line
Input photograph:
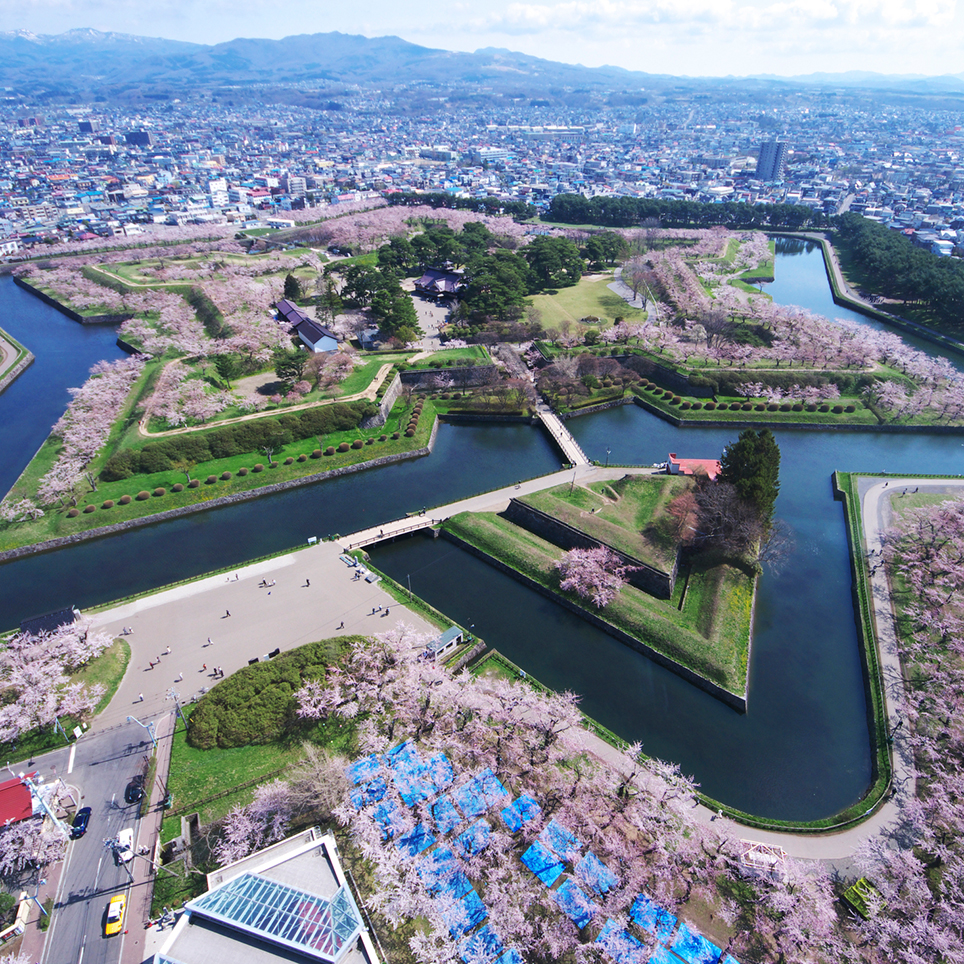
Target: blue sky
x=684 y=37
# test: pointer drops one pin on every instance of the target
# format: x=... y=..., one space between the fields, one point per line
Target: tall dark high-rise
x=773 y=155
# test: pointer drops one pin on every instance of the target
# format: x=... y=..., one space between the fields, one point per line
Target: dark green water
x=800 y=752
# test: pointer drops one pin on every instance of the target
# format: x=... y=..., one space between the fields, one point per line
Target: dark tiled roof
x=313 y=332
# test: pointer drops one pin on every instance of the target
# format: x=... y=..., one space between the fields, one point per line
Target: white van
x=125 y=845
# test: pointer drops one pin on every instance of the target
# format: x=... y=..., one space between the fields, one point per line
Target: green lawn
x=628 y=514
x=586 y=298
x=56 y=522
x=709 y=635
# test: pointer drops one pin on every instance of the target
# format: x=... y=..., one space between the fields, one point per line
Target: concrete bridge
x=562 y=435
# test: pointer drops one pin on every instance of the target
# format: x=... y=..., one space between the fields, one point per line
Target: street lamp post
x=608 y=450
x=147 y=726
x=172 y=694
x=36 y=897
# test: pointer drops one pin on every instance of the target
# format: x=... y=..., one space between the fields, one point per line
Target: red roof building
x=708 y=467
x=16 y=802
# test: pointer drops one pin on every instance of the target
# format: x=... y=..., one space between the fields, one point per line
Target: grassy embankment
x=57 y=523
x=709 y=635
x=591 y=297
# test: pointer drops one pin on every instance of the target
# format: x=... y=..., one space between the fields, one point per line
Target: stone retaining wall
x=52 y=544
x=461 y=377
x=725 y=696
x=601 y=407
x=648 y=578
x=13 y=373
x=384 y=406
x=69 y=312
x=467 y=417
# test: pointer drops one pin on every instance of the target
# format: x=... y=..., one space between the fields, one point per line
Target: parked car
x=115 y=915
x=125 y=845
x=79 y=826
x=135 y=790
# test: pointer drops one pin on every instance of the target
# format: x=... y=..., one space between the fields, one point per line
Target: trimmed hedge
x=211 y=479
x=302 y=457
x=193 y=484
x=109 y=504
x=259 y=467
x=90 y=508
x=243 y=470
x=124 y=500
x=142 y=495
x=159 y=491
x=257 y=704
x=177 y=487
x=236 y=439
x=225 y=476
x=344 y=447
x=73 y=513
x=330 y=450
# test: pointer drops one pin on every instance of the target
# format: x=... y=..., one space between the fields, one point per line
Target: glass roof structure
x=313 y=926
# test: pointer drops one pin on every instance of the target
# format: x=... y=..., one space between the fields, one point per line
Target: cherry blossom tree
x=595 y=574
x=262 y=822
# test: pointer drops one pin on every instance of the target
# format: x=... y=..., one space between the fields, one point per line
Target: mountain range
x=87 y=61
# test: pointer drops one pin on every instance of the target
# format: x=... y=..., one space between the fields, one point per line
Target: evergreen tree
x=752 y=466
x=292 y=288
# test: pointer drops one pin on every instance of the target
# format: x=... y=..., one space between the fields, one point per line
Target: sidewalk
x=133 y=949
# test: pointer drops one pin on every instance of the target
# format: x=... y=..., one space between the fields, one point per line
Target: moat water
x=801 y=751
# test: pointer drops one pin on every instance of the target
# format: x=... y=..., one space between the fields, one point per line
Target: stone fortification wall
x=649 y=579
x=384 y=406
x=442 y=378
x=69 y=312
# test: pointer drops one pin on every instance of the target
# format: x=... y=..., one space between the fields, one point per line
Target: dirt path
x=368 y=393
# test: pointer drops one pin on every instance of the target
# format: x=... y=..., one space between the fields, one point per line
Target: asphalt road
x=103 y=765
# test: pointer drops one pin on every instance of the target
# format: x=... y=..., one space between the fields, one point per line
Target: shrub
x=382 y=438
x=667 y=394
x=710 y=406
x=177 y=487
x=369 y=441
x=90 y=508
x=811 y=406
x=316 y=454
x=785 y=406
x=759 y=407
x=258 y=467
x=357 y=444
x=747 y=406
x=256 y=705
x=124 y=500
x=142 y=495
x=108 y=504
x=675 y=400
x=272 y=465
x=73 y=513
x=850 y=409
x=798 y=406
x=773 y=407
x=395 y=436
x=330 y=450
x=159 y=491
x=302 y=457
x=225 y=476
x=685 y=405
x=193 y=484
x=243 y=470
x=289 y=461
x=837 y=409
x=344 y=447
x=697 y=405
x=409 y=432
x=824 y=408
x=210 y=480
x=456 y=395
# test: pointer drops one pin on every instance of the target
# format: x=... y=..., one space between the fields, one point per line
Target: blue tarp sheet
x=389 y=818
x=623 y=948
x=694 y=948
x=511 y=956
x=575 y=903
x=480 y=794
x=651 y=917
x=560 y=841
x=441 y=873
x=471 y=911
x=416 y=840
x=520 y=812
x=662 y=956
x=439 y=772
x=446 y=817
x=595 y=874
x=370 y=793
x=476 y=838
x=543 y=863
x=364 y=769
x=483 y=945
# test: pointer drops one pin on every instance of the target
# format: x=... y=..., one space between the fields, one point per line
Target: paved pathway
x=495 y=501
x=287 y=614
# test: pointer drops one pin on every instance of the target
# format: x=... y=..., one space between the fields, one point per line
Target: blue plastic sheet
x=623 y=948
x=595 y=874
x=693 y=947
x=575 y=903
x=520 y=812
x=543 y=863
x=651 y=917
x=561 y=841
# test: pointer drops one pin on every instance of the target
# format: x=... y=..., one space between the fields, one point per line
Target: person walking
x=140 y=697
x=209 y=641
x=180 y=676
x=307 y=583
x=227 y=612
x=204 y=667
x=341 y=625
x=167 y=652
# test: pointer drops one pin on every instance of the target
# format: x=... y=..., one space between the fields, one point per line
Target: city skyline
x=712 y=38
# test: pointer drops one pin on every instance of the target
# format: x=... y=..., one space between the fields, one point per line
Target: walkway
x=563 y=437
x=369 y=393
x=495 y=501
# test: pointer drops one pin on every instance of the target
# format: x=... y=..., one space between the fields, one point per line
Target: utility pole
x=147 y=726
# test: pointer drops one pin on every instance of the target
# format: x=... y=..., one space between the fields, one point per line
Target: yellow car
x=115 y=915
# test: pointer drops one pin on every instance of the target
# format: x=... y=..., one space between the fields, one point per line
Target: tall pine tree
x=752 y=466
